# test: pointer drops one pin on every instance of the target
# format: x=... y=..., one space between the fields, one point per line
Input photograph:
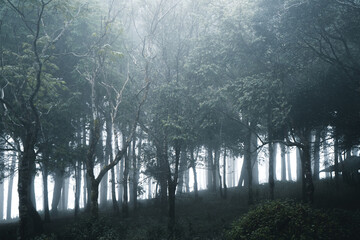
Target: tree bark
x=58 y=179
x=193 y=166
x=247 y=160
x=183 y=167
x=254 y=160
x=77 y=187
x=224 y=174
x=2 y=192
x=271 y=170
x=336 y=158
x=10 y=186
x=30 y=220
x=283 y=162
x=104 y=160
x=298 y=165
x=308 y=187
x=217 y=176
x=172 y=183
x=125 y=208
x=211 y=171
x=45 y=190
x=288 y=164
x=316 y=155
x=243 y=175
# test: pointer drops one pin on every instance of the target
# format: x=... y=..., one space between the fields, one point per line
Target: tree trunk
x=217 y=176
x=254 y=160
x=288 y=163
x=298 y=165
x=316 y=155
x=325 y=152
x=109 y=154
x=65 y=194
x=193 y=166
x=243 y=175
x=77 y=187
x=224 y=174
x=1 y=199
x=271 y=169
x=161 y=154
x=275 y=150
x=172 y=182
x=58 y=179
x=30 y=220
x=10 y=186
x=211 y=171
x=32 y=188
x=136 y=163
x=104 y=160
x=283 y=162
x=45 y=190
x=183 y=167
x=149 y=188
x=336 y=158
x=308 y=187
x=247 y=160
x=125 y=208
x=2 y=192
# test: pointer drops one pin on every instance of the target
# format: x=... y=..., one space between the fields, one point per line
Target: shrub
x=288 y=220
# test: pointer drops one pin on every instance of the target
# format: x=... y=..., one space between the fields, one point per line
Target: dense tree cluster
x=124 y=93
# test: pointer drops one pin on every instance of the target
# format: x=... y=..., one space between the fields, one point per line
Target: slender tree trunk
x=288 y=164
x=2 y=192
x=224 y=174
x=247 y=160
x=298 y=165
x=104 y=160
x=283 y=162
x=193 y=166
x=217 y=176
x=85 y=179
x=275 y=150
x=271 y=170
x=254 y=160
x=2 y=200
x=125 y=208
x=10 y=186
x=172 y=182
x=325 y=152
x=336 y=158
x=187 y=179
x=45 y=190
x=135 y=173
x=211 y=171
x=161 y=152
x=77 y=187
x=183 y=167
x=109 y=154
x=149 y=188
x=316 y=155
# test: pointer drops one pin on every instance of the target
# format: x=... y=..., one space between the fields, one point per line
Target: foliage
x=289 y=220
x=91 y=229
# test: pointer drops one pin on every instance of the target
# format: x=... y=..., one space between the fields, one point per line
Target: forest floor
x=208 y=217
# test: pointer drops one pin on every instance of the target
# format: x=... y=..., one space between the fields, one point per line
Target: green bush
x=289 y=220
